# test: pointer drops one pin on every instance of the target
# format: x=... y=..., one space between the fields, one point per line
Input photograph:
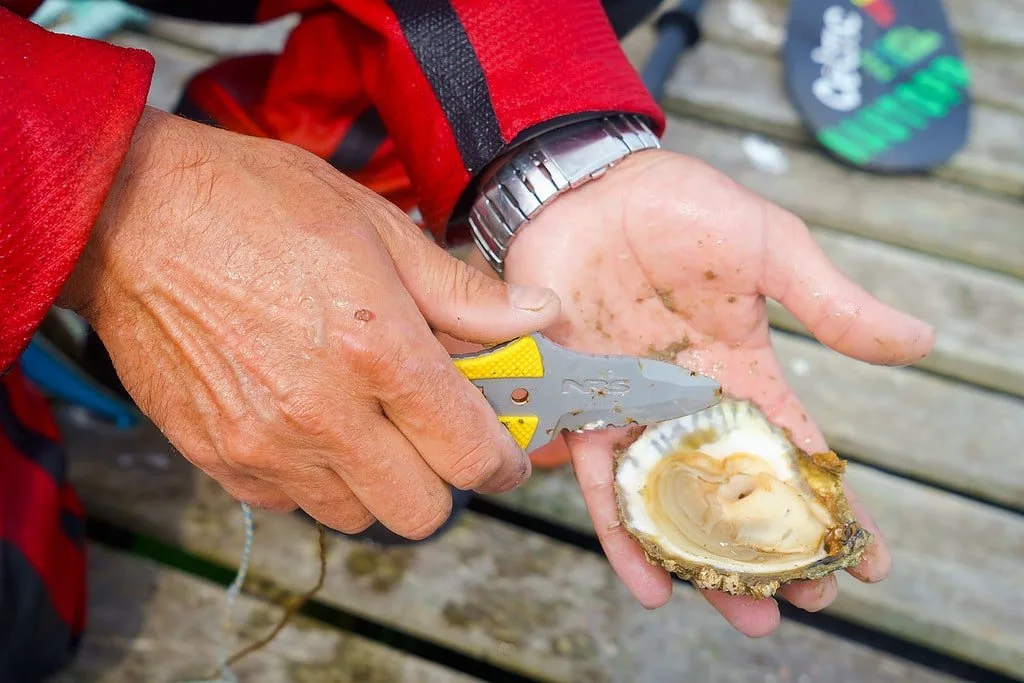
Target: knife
x=539 y=388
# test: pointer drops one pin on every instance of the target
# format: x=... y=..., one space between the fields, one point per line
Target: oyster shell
x=724 y=499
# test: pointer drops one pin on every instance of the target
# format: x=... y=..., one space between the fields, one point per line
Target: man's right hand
x=276 y=321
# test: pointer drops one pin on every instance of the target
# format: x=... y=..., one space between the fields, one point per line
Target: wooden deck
x=516 y=592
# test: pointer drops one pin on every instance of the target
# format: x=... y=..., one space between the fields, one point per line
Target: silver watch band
x=545 y=168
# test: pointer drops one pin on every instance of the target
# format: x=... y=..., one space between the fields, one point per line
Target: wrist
x=149 y=172
x=579 y=225
x=525 y=182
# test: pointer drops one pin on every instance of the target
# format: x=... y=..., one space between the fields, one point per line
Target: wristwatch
x=545 y=167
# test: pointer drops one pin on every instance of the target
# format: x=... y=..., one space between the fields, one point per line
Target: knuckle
x=837 y=324
x=460 y=283
x=247 y=447
x=302 y=409
x=428 y=520
x=425 y=390
x=378 y=356
x=279 y=503
x=254 y=493
x=354 y=520
x=476 y=463
x=236 y=445
x=201 y=453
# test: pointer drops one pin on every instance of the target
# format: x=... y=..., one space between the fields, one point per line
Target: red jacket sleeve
x=456 y=82
x=68 y=108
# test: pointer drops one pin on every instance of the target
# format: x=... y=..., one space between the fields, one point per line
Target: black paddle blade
x=879 y=83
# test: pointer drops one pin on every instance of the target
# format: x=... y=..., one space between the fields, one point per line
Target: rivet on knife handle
x=516 y=359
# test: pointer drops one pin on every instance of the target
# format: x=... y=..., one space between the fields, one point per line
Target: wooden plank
x=487 y=589
x=979 y=316
x=988 y=22
x=977 y=23
x=910 y=422
x=760 y=25
x=956 y=571
x=721 y=83
x=150 y=623
x=922 y=214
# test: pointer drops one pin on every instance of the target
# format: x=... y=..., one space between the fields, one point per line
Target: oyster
x=724 y=499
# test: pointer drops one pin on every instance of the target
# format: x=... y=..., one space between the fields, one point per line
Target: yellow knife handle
x=520 y=358
x=517 y=359
x=521 y=427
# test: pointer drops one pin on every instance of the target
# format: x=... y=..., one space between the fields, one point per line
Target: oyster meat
x=724 y=499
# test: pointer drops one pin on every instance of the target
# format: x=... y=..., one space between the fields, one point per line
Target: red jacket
x=454 y=81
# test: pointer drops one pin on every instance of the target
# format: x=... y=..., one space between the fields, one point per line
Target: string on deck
x=224 y=674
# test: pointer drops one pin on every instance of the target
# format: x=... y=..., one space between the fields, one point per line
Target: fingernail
x=828 y=591
x=527 y=298
x=876 y=564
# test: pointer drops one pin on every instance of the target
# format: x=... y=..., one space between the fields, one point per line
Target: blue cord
x=226 y=674
x=62 y=379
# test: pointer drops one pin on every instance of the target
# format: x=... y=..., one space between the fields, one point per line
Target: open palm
x=667 y=258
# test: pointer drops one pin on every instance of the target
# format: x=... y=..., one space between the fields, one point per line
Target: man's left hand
x=666 y=257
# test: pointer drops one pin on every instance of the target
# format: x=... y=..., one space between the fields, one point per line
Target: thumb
x=464 y=302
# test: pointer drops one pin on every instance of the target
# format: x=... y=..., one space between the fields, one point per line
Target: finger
x=753 y=617
x=390 y=478
x=787 y=411
x=592 y=463
x=876 y=563
x=812 y=596
x=254 y=492
x=449 y=422
x=551 y=455
x=444 y=418
x=324 y=496
x=836 y=310
x=454 y=346
x=458 y=299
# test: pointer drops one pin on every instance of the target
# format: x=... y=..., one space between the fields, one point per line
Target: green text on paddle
x=893 y=118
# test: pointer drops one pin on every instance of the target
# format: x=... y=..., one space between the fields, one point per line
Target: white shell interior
x=738 y=428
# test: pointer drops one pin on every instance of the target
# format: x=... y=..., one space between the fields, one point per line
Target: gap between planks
x=724 y=83
x=919 y=213
x=977 y=310
x=148 y=622
x=955 y=564
x=760 y=25
x=910 y=422
x=978 y=316
x=485 y=589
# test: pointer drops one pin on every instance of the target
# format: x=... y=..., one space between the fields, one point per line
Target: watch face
x=880 y=84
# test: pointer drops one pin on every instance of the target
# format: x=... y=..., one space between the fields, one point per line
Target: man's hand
x=275 y=320
x=665 y=257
